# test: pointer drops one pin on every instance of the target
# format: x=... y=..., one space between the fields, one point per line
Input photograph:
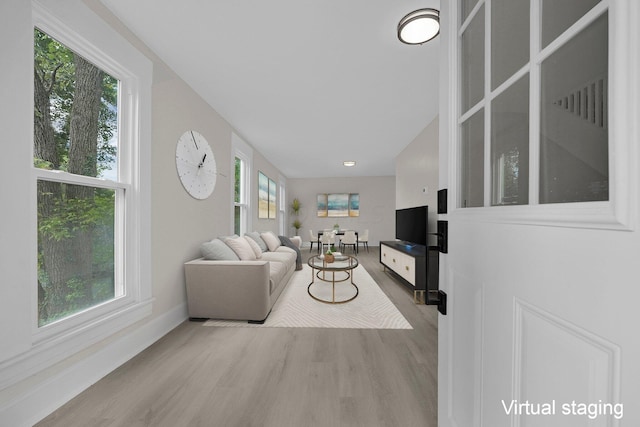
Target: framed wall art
x=334 y=205
x=263 y=196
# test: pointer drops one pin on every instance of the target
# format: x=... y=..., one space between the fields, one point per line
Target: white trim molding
x=28 y=405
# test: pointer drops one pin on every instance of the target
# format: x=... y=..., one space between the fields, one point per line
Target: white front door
x=540 y=118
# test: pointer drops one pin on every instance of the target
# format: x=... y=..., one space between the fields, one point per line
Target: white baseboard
x=42 y=398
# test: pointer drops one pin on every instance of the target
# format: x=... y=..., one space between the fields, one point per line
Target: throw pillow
x=271 y=240
x=218 y=250
x=254 y=246
x=256 y=237
x=241 y=247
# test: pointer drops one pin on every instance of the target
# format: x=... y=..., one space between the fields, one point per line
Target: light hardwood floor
x=209 y=376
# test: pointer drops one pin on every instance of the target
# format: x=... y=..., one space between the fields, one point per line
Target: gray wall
x=417 y=174
x=377 y=205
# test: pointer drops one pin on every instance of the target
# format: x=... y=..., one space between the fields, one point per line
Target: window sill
x=49 y=350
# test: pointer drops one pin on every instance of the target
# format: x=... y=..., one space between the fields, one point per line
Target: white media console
x=409 y=262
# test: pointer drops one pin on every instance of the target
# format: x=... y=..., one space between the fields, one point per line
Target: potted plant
x=336 y=227
x=295 y=210
x=328 y=256
x=295 y=206
x=297 y=225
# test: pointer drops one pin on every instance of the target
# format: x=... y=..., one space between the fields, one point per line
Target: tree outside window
x=75 y=131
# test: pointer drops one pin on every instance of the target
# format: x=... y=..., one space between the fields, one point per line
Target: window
x=75 y=152
x=282 y=226
x=239 y=201
x=241 y=164
x=533 y=105
x=91 y=182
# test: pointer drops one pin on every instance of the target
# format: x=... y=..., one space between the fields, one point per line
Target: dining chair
x=349 y=239
x=327 y=238
x=363 y=239
x=313 y=238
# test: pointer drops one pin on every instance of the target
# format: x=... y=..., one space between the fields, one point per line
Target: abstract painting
x=263 y=195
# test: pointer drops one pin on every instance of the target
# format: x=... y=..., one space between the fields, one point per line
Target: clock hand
x=194 y=140
x=201 y=164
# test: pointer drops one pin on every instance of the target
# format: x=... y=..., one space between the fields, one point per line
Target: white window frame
x=282 y=186
x=244 y=152
x=58 y=340
x=618 y=213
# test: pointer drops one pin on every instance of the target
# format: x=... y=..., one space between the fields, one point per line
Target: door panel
x=558 y=363
x=543 y=315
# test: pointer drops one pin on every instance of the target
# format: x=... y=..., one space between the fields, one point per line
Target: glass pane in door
x=466 y=6
x=574 y=144
x=510 y=145
x=472 y=63
x=472 y=161
x=558 y=15
x=509 y=39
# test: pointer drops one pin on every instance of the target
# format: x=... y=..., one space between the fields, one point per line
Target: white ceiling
x=308 y=83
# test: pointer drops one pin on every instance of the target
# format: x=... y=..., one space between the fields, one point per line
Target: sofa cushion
x=241 y=247
x=217 y=250
x=280 y=256
x=254 y=246
x=256 y=237
x=286 y=250
x=277 y=272
x=271 y=240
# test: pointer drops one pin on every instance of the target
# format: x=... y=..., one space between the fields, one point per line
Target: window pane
x=574 y=141
x=509 y=38
x=557 y=16
x=238 y=180
x=472 y=161
x=75 y=118
x=472 y=62
x=75 y=248
x=466 y=6
x=237 y=220
x=510 y=145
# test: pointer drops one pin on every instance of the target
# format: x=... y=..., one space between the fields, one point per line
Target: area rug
x=371 y=309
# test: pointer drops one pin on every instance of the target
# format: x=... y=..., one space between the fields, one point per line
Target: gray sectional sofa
x=241 y=285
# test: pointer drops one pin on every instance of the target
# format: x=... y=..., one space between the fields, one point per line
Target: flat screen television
x=411 y=225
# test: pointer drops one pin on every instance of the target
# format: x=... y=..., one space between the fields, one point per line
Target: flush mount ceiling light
x=349 y=163
x=419 y=26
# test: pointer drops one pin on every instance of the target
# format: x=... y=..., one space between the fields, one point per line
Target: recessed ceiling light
x=349 y=163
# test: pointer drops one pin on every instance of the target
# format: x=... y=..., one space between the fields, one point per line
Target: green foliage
x=297 y=225
x=295 y=206
x=76 y=223
x=238 y=177
x=70 y=216
x=54 y=66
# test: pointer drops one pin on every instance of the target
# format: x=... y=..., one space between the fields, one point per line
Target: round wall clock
x=196 y=165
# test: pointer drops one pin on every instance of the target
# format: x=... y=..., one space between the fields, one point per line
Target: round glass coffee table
x=337 y=272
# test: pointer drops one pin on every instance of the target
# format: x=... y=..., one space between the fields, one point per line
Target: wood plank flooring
x=275 y=377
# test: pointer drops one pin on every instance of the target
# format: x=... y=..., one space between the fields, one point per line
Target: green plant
x=295 y=206
x=297 y=225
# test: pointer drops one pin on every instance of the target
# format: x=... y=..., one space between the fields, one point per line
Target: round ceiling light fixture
x=419 y=26
x=349 y=163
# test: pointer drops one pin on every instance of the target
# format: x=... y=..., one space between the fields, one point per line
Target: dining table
x=338 y=233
